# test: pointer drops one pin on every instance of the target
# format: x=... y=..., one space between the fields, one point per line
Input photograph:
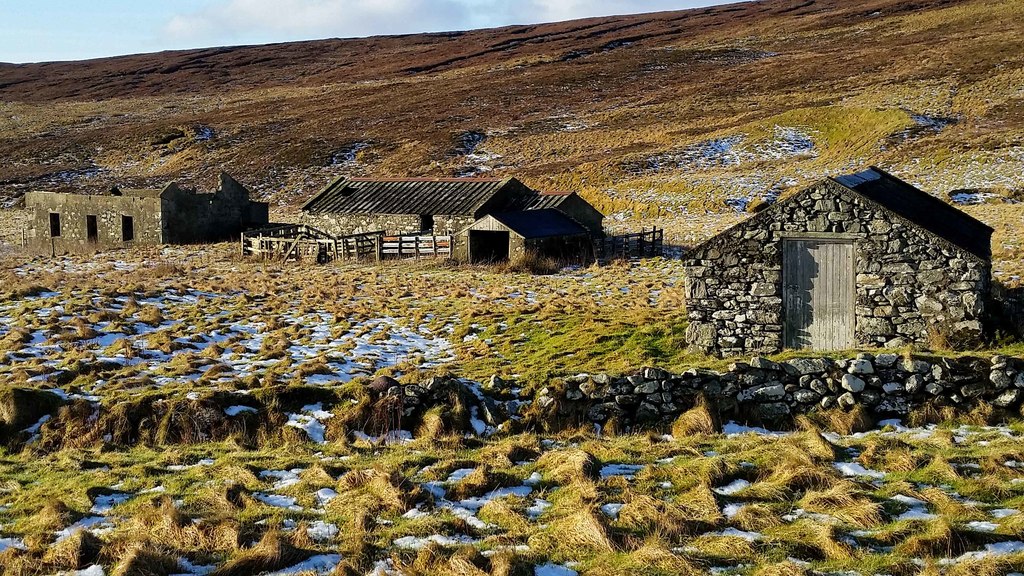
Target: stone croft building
x=859 y=260
x=62 y=222
x=499 y=217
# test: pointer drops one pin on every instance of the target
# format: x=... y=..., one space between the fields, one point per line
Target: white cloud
x=226 y=21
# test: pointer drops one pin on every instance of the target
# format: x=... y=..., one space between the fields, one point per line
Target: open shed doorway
x=488 y=246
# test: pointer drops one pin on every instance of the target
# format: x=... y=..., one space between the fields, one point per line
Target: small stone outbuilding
x=510 y=235
x=854 y=261
x=63 y=223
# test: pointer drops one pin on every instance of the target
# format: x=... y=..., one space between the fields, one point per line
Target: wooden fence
x=302 y=242
x=416 y=246
x=643 y=244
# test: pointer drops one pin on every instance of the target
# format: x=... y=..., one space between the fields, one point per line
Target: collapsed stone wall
x=190 y=216
x=886 y=386
x=909 y=282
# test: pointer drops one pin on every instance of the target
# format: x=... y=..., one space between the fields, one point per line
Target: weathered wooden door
x=818 y=293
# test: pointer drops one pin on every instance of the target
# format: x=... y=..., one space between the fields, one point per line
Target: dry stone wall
x=910 y=284
x=886 y=385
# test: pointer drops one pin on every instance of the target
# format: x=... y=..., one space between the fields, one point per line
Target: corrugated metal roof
x=539 y=200
x=543 y=223
x=449 y=196
x=922 y=209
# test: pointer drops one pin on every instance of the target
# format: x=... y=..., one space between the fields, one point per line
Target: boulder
x=892 y=387
x=1001 y=379
x=764 y=364
x=809 y=365
x=861 y=366
x=1007 y=398
x=852 y=383
x=806 y=396
x=846 y=400
x=886 y=360
x=381 y=384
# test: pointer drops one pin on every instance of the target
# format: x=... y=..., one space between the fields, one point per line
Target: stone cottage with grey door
x=859 y=260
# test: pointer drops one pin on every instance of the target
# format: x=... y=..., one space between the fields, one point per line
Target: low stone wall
x=886 y=385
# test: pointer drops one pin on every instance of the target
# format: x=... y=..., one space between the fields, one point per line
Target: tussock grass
x=567 y=466
x=842 y=502
x=272 y=552
x=699 y=420
x=575 y=535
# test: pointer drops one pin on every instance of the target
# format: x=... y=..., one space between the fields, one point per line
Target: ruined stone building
x=502 y=218
x=63 y=222
x=859 y=260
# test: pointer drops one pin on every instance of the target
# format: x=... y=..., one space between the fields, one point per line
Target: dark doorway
x=487 y=246
x=54 y=225
x=426 y=223
x=127 y=228
x=92 y=229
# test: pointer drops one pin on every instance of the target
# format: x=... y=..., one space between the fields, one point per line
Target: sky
x=47 y=30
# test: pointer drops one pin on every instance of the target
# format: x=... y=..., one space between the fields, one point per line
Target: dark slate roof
x=542 y=223
x=454 y=196
x=922 y=209
x=542 y=200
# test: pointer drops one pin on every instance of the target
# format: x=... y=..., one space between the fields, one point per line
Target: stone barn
x=62 y=223
x=859 y=260
x=489 y=219
x=508 y=235
x=409 y=205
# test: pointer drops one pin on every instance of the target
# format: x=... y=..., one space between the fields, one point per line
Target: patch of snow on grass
x=627 y=471
x=612 y=510
x=310 y=422
x=736 y=533
x=734 y=429
x=320 y=530
x=856 y=470
x=319 y=564
x=12 y=543
x=284 y=478
x=277 y=501
x=550 y=569
x=417 y=543
x=732 y=487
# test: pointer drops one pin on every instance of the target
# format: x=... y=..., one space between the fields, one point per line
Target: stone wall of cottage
x=911 y=285
x=73 y=211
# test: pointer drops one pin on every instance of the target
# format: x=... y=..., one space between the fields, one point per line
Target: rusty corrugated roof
x=449 y=196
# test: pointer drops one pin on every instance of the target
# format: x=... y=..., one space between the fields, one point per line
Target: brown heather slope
x=658 y=117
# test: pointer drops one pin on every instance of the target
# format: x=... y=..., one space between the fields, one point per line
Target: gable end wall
x=910 y=283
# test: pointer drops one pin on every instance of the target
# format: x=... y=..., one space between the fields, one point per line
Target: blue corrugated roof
x=543 y=223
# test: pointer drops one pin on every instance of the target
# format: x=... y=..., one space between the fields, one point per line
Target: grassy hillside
x=665 y=117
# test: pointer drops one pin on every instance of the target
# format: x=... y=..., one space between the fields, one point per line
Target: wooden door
x=818 y=293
